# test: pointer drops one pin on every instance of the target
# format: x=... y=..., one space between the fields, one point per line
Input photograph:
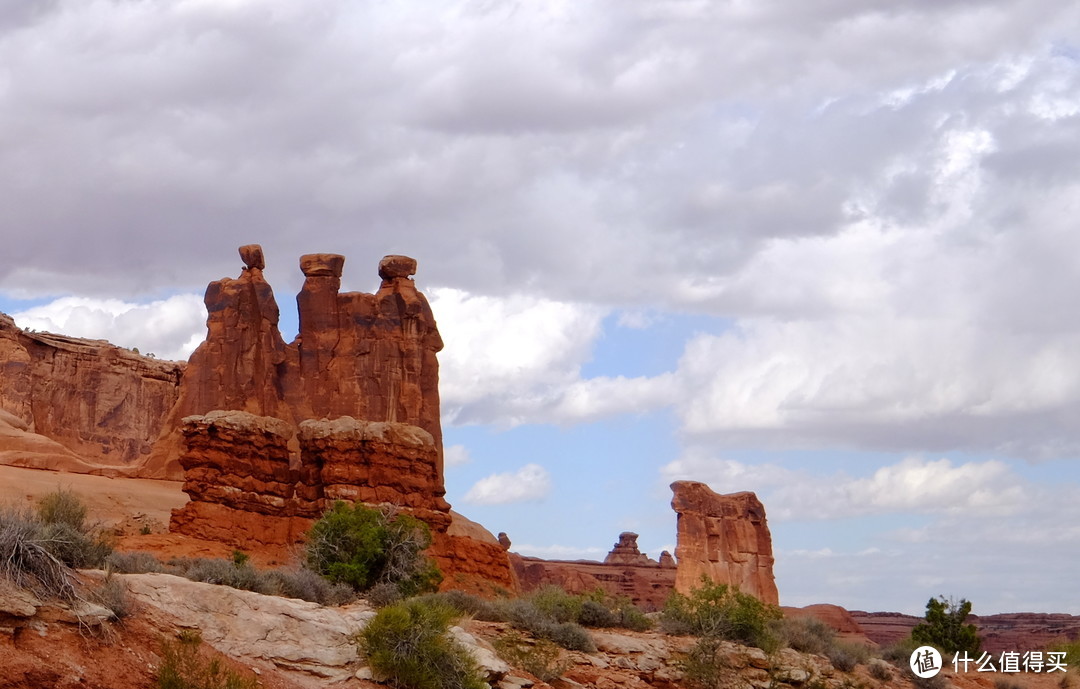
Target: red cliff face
x=722 y=537
x=79 y=405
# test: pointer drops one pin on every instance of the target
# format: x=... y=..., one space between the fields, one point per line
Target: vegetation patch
x=540 y=658
x=185 y=666
x=361 y=546
x=409 y=644
x=723 y=612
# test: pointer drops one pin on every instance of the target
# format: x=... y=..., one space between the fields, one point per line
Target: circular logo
x=925 y=662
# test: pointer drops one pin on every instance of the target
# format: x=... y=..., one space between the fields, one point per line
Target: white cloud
x=170 y=328
x=529 y=483
x=913 y=486
x=456 y=455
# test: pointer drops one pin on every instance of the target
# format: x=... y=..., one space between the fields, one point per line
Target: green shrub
x=361 y=547
x=944 y=628
x=540 y=658
x=225 y=572
x=409 y=644
x=1071 y=649
x=717 y=610
x=62 y=507
x=183 y=666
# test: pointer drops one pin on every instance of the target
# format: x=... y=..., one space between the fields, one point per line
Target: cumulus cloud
x=915 y=485
x=529 y=483
x=456 y=455
x=169 y=328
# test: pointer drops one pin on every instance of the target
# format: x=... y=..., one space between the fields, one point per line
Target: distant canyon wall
x=81 y=405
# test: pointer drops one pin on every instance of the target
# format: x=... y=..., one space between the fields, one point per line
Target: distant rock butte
x=724 y=538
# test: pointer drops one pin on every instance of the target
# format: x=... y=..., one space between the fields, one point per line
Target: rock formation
x=368 y=356
x=648 y=586
x=244 y=491
x=72 y=404
x=724 y=538
x=626 y=571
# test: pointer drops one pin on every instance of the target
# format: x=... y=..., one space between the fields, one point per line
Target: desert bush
x=112 y=594
x=73 y=547
x=226 y=572
x=62 y=507
x=570 y=635
x=880 y=671
x=805 y=634
x=134 y=562
x=361 y=547
x=1007 y=683
x=596 y=614
x=469 y=605
x=409 y=643
x=383 y=594
x=556 y=604
x=718 y=610
x=703 y=667
x=184 y=666
x=845 y=656
x=304 y=584
x=540 y=658
x=27 y=560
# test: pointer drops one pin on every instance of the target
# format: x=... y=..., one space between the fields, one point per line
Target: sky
x=827 y=252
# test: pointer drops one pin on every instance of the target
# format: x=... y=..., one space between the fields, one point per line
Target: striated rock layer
x=724 y=538
x=72 y=404
x=245 y=491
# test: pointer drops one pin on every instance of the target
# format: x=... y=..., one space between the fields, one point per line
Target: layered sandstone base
x=246 y=491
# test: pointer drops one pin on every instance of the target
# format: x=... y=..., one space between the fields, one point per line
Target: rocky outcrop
x=625 y=552
x=72 y=404
x=245 y=491
x=368 y=356
x=648 y=586
x=626 y=571
x=724 y=538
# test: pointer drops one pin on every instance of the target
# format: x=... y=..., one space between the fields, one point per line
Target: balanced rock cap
x=252 y=256
x=322 y=265
x=394 y=266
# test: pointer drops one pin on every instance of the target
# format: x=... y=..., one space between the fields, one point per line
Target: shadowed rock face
x=81 y=405
x=368 y=356
x=722 y=537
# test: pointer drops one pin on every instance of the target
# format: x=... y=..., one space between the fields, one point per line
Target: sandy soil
x=115 y=502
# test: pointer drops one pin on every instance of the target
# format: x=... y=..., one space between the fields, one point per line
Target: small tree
x=944 y=628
